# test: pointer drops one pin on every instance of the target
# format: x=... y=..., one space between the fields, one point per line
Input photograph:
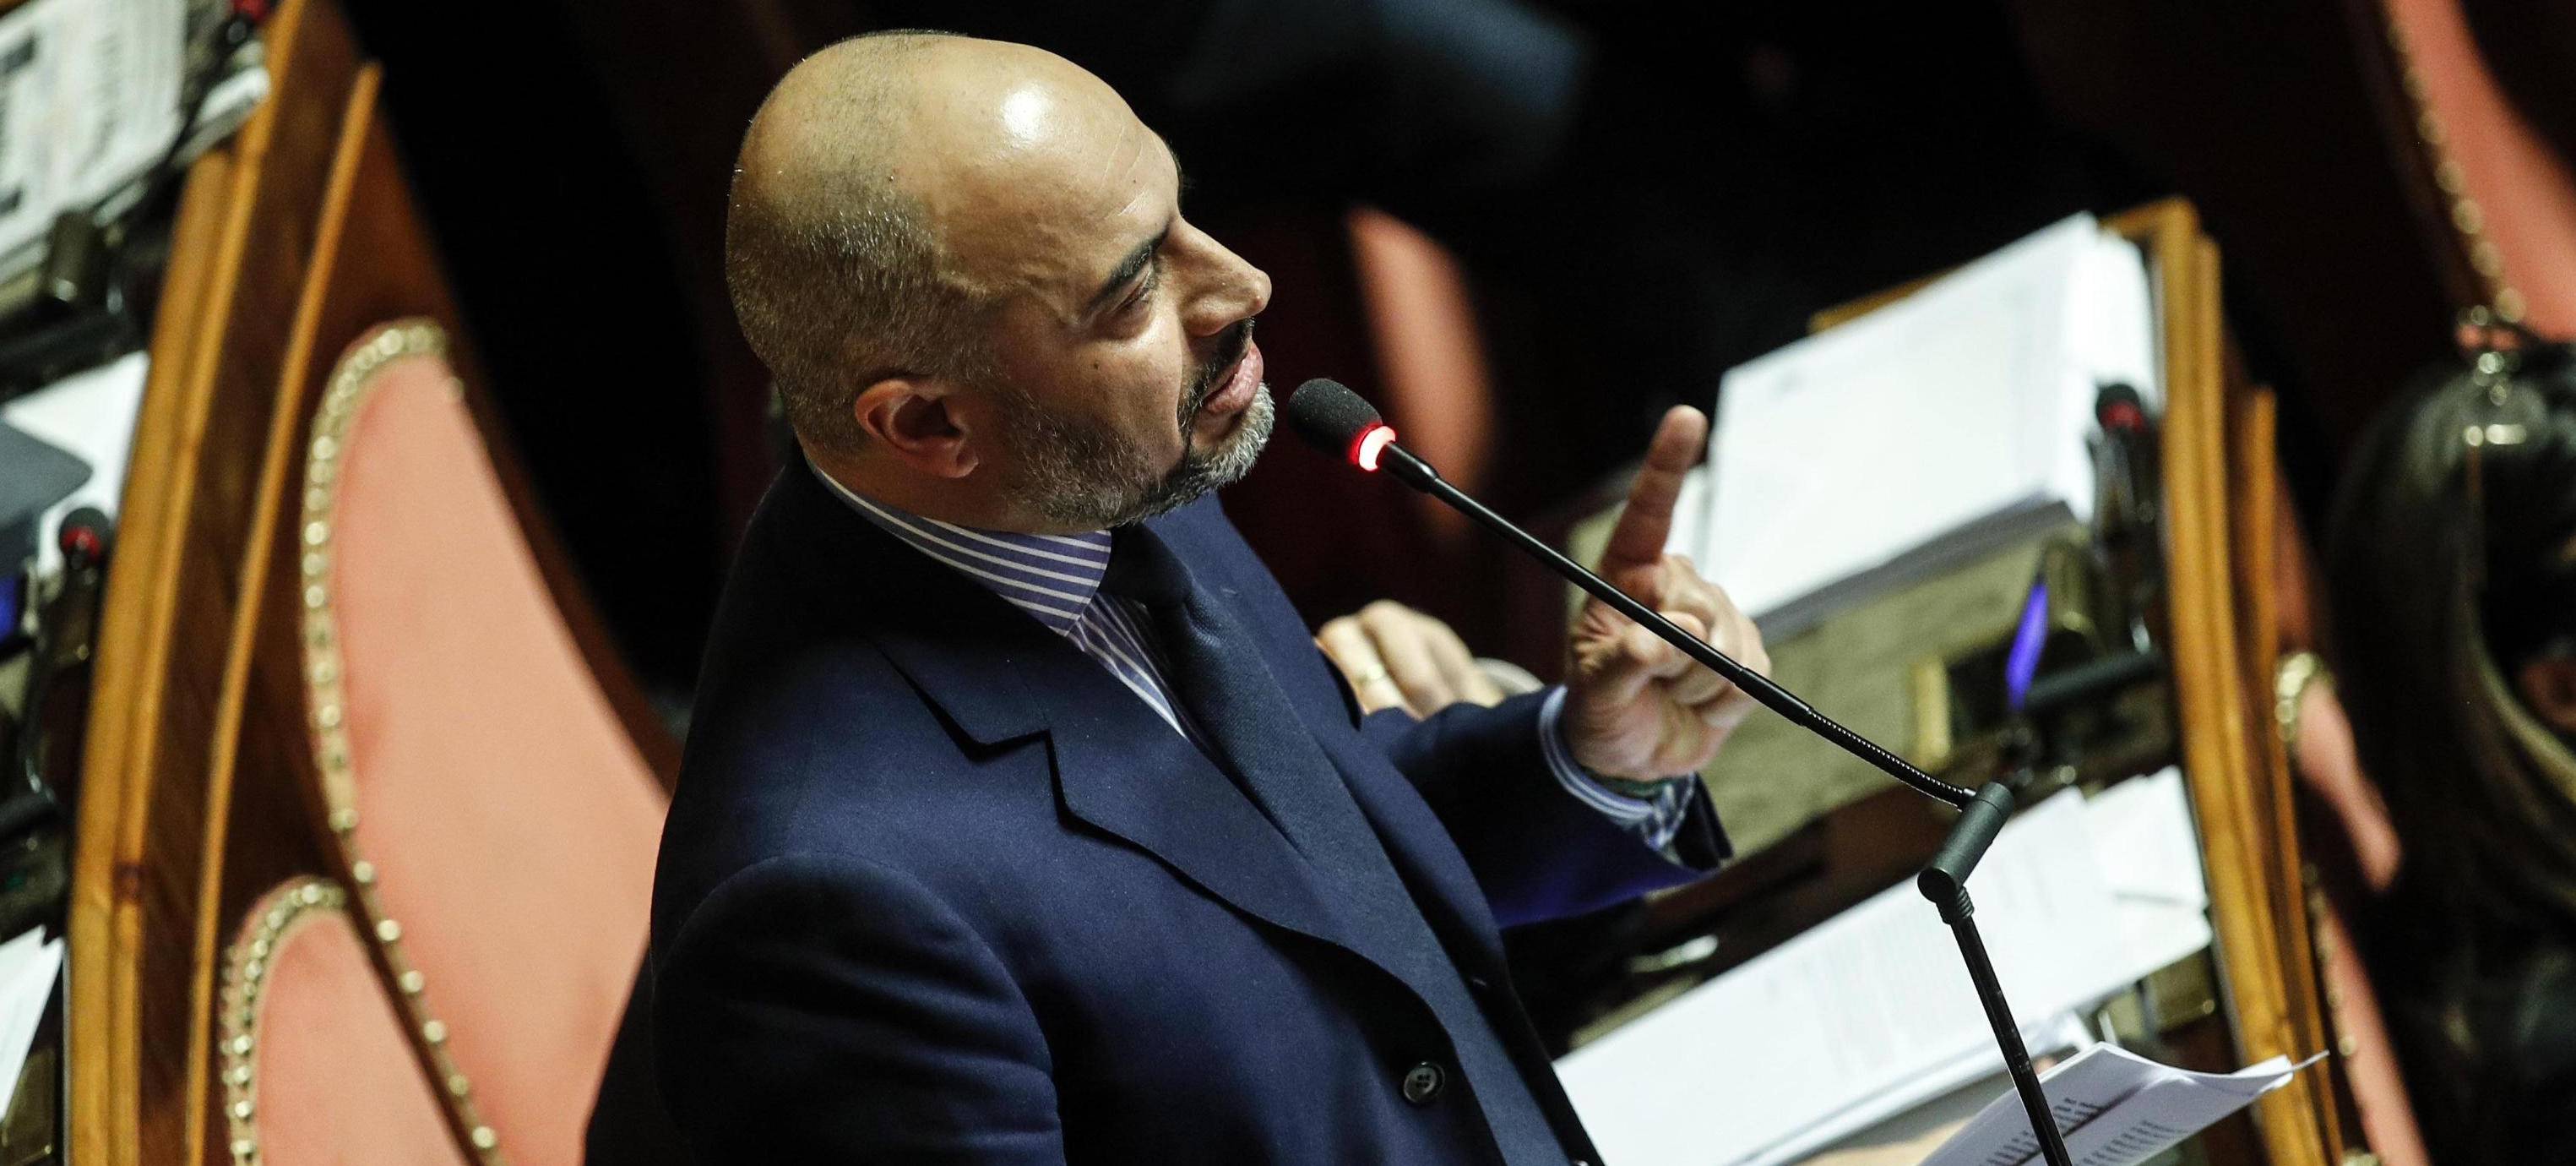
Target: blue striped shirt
x=1055 y=578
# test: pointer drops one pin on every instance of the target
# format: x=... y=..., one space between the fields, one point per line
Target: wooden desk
x=2221 y=642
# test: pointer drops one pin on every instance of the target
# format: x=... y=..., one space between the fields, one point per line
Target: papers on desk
x=2144 y=844
x=90 y=96
x=1932 y=431
x=29 y=966
x=90 y=93
x=2114 y=1108
x=1871 y=1012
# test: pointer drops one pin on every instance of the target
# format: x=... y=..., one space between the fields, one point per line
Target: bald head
x=860 y=242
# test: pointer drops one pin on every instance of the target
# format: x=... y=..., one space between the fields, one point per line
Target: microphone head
x=2118 y=407
x=85 y=534
x=1329 y=415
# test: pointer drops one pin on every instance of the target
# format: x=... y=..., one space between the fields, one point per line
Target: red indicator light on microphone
x=1371 y=442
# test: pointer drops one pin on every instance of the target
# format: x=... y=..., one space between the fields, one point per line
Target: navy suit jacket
x=936 y=888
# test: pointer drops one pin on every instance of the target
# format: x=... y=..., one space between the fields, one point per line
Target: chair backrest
x=1430 y=351
x=2509 y=200
x=316 y=1067
x=497 y=821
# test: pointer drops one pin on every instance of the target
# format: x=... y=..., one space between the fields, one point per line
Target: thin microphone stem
x=1415 y=472
x=1944 y=881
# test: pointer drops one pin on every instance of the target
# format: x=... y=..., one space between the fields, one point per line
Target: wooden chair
x=1430 y=354
x=317 y=1067
x=429 y=715
x=497 y=821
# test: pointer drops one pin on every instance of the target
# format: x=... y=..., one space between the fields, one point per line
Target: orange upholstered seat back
x=2510 y=198
x=499 y=822
x=316 y=1067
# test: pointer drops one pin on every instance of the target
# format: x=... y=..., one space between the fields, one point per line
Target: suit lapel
x=1228 y=684
x=998 y=676
x=1419 y=846
x=1430 y=867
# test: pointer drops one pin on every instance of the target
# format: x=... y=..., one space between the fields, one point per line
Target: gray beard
x=1086 y=479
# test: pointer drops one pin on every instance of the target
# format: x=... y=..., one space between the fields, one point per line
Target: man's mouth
x=1234 y=391
x=1225 y=390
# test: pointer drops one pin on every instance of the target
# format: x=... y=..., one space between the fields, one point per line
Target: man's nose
x=1235 y=290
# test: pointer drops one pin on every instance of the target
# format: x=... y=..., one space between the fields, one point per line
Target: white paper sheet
x=1957 y=415
x=2150 y=855
x=2062 y=1033
x=90 y=415
x=2114 y=1108
x=89 y=98
x=28 y=967
x=1790 y=1049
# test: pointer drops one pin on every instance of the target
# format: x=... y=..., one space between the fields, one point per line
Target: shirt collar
x=1050 y=576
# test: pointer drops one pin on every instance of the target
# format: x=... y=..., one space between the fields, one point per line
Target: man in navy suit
x=1021 y=820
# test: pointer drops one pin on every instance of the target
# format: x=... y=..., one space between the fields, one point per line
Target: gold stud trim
x=326 y=699
x=246 y=967
x=2449 y=181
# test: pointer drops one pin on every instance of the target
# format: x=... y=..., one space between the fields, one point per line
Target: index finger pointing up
x=1638 y=539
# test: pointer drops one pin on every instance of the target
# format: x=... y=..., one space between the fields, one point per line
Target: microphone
x=1334 y=419
x=2124 y=509
x=66 y=634
x=1331 y=417
x=2126 y=460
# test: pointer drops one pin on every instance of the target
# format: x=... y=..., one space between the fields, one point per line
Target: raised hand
x=1636 y=707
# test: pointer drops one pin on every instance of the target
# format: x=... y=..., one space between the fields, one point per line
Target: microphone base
x=1945 y=884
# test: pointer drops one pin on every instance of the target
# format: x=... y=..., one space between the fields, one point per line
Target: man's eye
x=1145 y=286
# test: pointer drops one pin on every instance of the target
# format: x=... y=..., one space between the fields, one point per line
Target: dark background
x=1729 y=170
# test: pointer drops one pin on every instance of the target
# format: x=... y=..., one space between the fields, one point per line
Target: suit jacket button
x=1422 y=1083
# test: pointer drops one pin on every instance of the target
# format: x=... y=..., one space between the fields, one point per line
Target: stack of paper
x=90 y=95
x=1871 y=1013
x=2114 y=1108
x=1924 y=434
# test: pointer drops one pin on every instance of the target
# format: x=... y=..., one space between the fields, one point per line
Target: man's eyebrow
x=1127 y=270
x=1134 y=264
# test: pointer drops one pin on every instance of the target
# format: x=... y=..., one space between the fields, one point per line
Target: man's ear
x=909 y=416
x=2548 y=686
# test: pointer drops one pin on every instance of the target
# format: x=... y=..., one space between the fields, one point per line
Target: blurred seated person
x=2452 y=565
